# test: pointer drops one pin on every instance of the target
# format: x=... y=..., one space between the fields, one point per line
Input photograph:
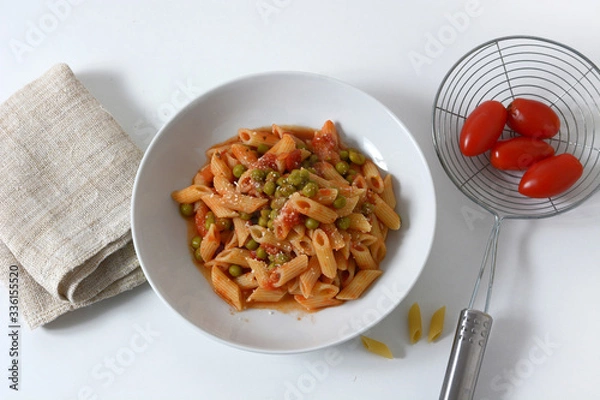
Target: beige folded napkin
x=67 y=170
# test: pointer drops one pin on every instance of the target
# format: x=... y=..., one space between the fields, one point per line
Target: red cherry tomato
x=482 y=128
x=519 y=153
x=532 y=118
x=551 y=176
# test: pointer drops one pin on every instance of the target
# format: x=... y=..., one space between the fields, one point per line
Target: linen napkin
x=66 y=176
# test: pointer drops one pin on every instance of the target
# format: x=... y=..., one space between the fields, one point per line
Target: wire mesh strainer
x=503 y=69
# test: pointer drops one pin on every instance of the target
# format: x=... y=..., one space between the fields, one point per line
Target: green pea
x=281 y=181
x=262 y=148
x=271 y=224
x=339 y=202
x=269 y=188
x=311 y=223
x=343 y=223
x=252 y=244
x=187 y=210
x=342 y=167
x=273 y=214
x=210 y=219
x=235 y=270
x=304 y=174
x=273 y=176
x=281 y=258
x=223 y=224
x=245 y=216
x=310 y=189
x=257 y=174
x=265 y=212
x=261 y=253
x=313 y=159
x=238 y=170
x=294 y=178
x=367 y=208
x=196 y=242
x=301 y=145
x=271 y=266
x=263 y=221
x=356 y=157
x=286 y=190
x=344 y=155
x=198 y=255
x=277 y=203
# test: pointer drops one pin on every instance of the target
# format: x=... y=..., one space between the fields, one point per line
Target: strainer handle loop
x=469 y=345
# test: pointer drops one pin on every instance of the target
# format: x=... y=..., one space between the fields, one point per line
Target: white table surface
x=145 y=59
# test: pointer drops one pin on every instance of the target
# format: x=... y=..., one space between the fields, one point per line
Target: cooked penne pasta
x=324 y=253
x=388 y=192
x=436 y=326
x=267 y=295
x=373 y=177
x=386 y=214
x=414 y=323
x=289 y=213
x=226 y=288
x=191 y=194
x=362 y=280
x=312 y=209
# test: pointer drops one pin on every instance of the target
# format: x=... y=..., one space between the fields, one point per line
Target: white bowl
x=287 y=98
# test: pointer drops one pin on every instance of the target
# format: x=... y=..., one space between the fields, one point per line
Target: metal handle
x=468 y=348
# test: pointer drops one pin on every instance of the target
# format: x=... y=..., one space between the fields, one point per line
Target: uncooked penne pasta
x=292 y=213
x=414 y=323
x=436 y=326
x=376 y=347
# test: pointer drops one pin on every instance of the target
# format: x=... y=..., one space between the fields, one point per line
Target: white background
x=145 y=59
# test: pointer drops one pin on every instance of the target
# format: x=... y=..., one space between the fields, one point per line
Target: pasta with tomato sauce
x=289 y=213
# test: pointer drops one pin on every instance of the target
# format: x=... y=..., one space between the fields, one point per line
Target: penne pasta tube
x=310 y=276
x=259 y=269
x=362 y=280
x=219 y=167
x=210 y=243
x=312 y=209
x=234 y=256
x=436 y=326
x=376 y=347
x=362 y=256
x=414 y=323
x=324 y=253
x=288 y=271
x=256 y=138
x=226 y=288
x=191 y=194
x=215 y=203
x=386 y=214
x=388 y=192
x=244 y=154
x=314 y=303
x=359 y=222
x=246 y=281
x=283 y=146
x=266 y=295
x=372 y=176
